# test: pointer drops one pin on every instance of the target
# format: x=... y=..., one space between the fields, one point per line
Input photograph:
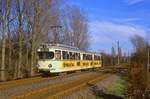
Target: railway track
x=11 y=84
x=26 y=81
x=19 y=87
x=54 y=90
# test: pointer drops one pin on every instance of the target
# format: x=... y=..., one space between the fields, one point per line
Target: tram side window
x=57 y=54
x=75 y=56
x=78 y=56
x=65 y=55
x=84 y=56
x=96 y=57
x=89 y=57
x=71 y=55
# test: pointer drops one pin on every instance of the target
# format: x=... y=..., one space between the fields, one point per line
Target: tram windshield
x=46 y=55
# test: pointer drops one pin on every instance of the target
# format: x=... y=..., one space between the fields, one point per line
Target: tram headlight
x=50 y=65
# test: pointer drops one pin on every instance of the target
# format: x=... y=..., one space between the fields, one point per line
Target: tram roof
x=64 y=47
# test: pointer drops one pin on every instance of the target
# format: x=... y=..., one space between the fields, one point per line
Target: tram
x=57 y=58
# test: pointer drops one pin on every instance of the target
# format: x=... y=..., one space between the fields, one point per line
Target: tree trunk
x=27 y=55
x=15 y=70
x=32 y=58
x=3 y=78
x=10 y=68
x=20 y=24
x=20 y=57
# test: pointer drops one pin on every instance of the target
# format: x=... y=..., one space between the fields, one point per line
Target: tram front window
x=46 y=55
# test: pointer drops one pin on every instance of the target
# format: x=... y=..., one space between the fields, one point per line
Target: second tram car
x=56 y=58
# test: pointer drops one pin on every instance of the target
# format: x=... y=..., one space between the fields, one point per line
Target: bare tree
x=55 y=26
x=4 y=13
x=77 y=27
x=20 y=10
x=137 y=71
x=37 y=17
x=10 y=19
x=139 y=43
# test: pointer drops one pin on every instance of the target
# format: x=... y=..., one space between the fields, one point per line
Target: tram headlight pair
x=50 y=65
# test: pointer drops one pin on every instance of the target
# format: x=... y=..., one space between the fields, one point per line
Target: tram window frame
x=58 y=52
x=93 y=57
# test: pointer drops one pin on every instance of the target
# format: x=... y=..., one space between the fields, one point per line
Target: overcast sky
x=113 y=20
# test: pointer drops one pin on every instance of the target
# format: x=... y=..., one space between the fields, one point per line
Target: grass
x=117 y=88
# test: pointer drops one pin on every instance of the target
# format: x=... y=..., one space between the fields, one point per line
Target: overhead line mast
x=118 y=52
